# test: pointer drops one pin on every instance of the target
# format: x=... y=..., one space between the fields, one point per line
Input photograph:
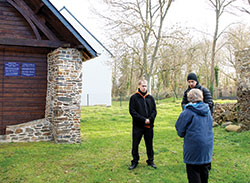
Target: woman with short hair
x=195 y=124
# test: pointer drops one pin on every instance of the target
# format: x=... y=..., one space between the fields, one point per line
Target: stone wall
x=243 y=92
x=34 y=131
x=224 y=113
x=64 y=94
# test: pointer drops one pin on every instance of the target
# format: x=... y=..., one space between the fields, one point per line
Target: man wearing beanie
x=194 y=83
x=142 y=108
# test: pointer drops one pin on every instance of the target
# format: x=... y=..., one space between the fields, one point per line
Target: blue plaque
x=28 y=69
x=11 y=69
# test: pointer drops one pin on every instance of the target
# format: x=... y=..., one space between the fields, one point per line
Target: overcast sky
x=188 y=13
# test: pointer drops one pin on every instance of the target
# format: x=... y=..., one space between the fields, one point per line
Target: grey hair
x=142 y=81
x=195 y=95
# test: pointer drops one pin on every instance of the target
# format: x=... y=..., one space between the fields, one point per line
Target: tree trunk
x=213 y=54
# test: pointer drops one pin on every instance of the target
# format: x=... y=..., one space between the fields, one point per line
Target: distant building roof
x=85 y=29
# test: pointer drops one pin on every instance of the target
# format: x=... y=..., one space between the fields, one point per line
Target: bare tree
x=173 y=61
x=219 y=7
x=245 y=8
x=204 y=64
x=236 y=38
x=143 y=19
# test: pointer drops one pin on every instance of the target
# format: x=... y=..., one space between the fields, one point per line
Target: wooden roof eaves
x=34 y=19
x=26 y=18
x=31 y=43
x=70 y=28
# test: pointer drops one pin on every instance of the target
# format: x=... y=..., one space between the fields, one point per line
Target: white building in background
x=97 y=73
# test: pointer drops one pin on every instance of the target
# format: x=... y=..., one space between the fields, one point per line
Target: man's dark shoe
x=133 y=166
x=152 y=165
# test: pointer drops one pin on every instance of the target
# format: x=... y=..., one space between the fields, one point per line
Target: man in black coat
x=143 y=111
x=194 y=83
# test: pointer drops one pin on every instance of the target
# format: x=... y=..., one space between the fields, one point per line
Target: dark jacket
x=195 y=124
x=142 y=108
x=206 y=95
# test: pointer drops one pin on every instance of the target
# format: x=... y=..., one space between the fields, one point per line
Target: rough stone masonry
x=64 y=95
x=243 y=91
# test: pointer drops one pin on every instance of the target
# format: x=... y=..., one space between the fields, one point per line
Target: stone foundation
x=243 y=92
x=34 y=131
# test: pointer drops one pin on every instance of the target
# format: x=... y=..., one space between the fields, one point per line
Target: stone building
x=41 y=57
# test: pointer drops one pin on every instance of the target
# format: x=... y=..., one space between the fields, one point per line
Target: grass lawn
x=105 y=152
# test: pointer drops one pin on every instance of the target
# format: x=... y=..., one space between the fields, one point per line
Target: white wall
x=97 y=81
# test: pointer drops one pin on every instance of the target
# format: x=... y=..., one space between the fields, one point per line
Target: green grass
x=105 y=152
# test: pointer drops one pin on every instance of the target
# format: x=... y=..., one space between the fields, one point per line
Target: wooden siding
x=12 y=24
x=2 y=126
x=22 y=98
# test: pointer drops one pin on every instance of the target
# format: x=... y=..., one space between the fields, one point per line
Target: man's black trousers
x=198 y=173
x=148 y=138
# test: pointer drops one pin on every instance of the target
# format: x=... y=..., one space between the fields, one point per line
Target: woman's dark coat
x=195 y=124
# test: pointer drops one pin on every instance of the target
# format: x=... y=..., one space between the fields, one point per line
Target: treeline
x=145 y=45
x=179 y=54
